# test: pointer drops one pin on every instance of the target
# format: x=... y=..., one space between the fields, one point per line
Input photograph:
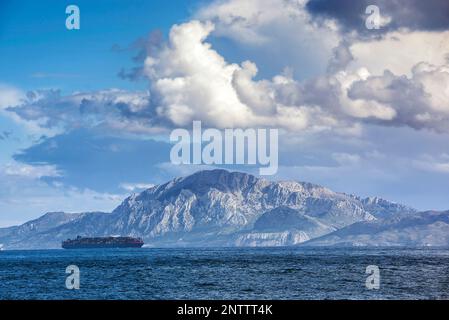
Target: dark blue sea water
x=256 y=273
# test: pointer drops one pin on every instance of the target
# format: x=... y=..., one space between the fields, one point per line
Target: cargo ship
x=102 y=242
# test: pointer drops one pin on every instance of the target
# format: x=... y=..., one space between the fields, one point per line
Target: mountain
x=430 y=228
x=33 y=234
x=383 y=208
x=213 y=208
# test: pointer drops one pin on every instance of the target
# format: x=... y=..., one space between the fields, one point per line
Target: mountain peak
x=204 y=181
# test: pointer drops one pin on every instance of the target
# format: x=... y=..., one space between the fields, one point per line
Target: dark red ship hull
x=102 y=243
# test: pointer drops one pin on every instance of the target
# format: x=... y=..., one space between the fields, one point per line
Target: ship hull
x=102 y=243
x=102 y=246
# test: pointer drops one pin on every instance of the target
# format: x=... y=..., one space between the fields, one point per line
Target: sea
x=226 y=273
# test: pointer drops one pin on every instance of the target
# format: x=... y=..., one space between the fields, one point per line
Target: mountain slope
x=430 y=228
x=283 y=226
x=32 y=234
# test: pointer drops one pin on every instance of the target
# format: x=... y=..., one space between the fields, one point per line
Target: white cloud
x=346 y=158
x=30 y=171
x=419 y=101
x=10 y=96
x=257 y=21
x=131 y=187
x=281 y=30
x=398 y=52
x=194 y=81
x=433 y=164
x=113 y=109
x=360 y=108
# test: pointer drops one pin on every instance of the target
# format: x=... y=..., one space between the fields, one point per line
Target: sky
x=85 y=115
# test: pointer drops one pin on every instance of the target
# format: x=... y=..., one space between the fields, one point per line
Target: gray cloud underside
x=430 y=15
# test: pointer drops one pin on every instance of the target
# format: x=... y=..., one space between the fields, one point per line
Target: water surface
x=225 y=273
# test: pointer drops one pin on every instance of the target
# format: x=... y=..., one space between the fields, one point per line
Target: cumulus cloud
x=112 y=109
x=341 y=57
x=399 y=52
x=421 y=101
x=365 y=82
x=255 y=21
x=275 y=33
x=192 y=81
x=143 y=46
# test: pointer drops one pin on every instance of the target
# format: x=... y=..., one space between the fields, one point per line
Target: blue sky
x=85 y=114
x=37 y=50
